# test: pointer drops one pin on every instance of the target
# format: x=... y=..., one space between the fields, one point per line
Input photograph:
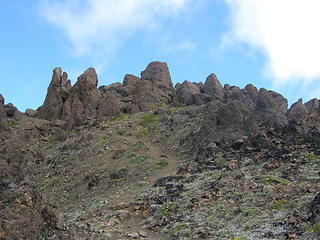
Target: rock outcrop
x=57 y=94
x=188 y=93
x=213 y=87
x=233 y=112
x=12 y=111
x=4 y=126
x=83 y=99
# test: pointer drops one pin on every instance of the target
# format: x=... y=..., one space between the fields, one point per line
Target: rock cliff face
x=57 y=94
x=243 y=161
x=3 y=116
x=234 y=112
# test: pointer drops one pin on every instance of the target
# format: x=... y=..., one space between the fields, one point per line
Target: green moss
x=122 y=130
x=315 y=229
x=308 y=157
x=139 y=159
x=122 y=171
x=102 y=140
x=221 y=162
x=142 y=132
x=49 y=182
x=280 y=203
x=160 y=164
x=149 y=119
x=137 y=145
x=270 y=179
x=13 y=123
x=121 y=117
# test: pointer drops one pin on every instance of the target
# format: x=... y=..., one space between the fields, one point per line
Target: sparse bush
x=13 y=123
x=48 y=183
x=122 y=131
x=221 y=162
x=149 y=119
x=121 y=117
x=142 y=132
x=160 y=164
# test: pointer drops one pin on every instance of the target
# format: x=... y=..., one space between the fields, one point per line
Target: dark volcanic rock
x=109 y=106
x=4 y=126
x=57 y=94
x=272 y=108
x=213 y=87
x=187 y=93
x=12 y=111
x=297 y=116
x=83 y=99
x=155 y=77
x=31 y=113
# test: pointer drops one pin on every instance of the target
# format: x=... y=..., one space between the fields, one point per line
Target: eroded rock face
x=73 y=104
x=4 y=126
x=297 y=116
x=109 y=106
x=25 y=215
x=213 y=87
x=57 y=94
x=155 y=77
x=12 y=111
x=83 y=99
x=188 y=93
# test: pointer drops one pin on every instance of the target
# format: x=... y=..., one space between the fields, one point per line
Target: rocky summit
x=144 y=159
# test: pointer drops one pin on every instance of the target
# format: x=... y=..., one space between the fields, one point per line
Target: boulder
x=12 y=111
x=57 y=94
x=158 y=74
x=313 y=107
x=213 y=87
x=82 y=100
x=31 y=113
x=155 y=85
x=186 y=93
x=252 y=92
x=297 y=116
x=271 y=108
x=109 y=106
x=4 y=126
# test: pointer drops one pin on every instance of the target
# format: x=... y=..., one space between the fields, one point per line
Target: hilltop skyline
x=195 y=38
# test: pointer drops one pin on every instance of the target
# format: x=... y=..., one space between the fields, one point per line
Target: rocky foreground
x=145 y=160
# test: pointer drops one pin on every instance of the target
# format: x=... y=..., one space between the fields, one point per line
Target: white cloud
x=287 y=31
x=88 y=23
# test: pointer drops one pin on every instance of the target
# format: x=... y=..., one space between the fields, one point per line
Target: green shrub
x=149 y=119
x=221 y=162
x=160 y=164
x=121 y=117
x=139 y=159
x=122 y=131
x=13 y=123
x=142 y=132
x=48 y=183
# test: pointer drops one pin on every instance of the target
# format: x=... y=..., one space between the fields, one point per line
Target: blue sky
x=270 y=43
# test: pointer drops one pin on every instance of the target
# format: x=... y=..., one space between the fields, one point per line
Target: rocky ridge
x=225 y=138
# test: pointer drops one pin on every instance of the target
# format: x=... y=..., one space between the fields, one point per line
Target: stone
x=185 y=93
x=12 y=111
x=313 y=107
x=155 y=85
x=158 y=74
x=298 y=112
x=109 y=106
x=4 y=126
x=83 y=99
x=57 y=93
x=252 y=92
x=31 y=113
x=213 y=87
